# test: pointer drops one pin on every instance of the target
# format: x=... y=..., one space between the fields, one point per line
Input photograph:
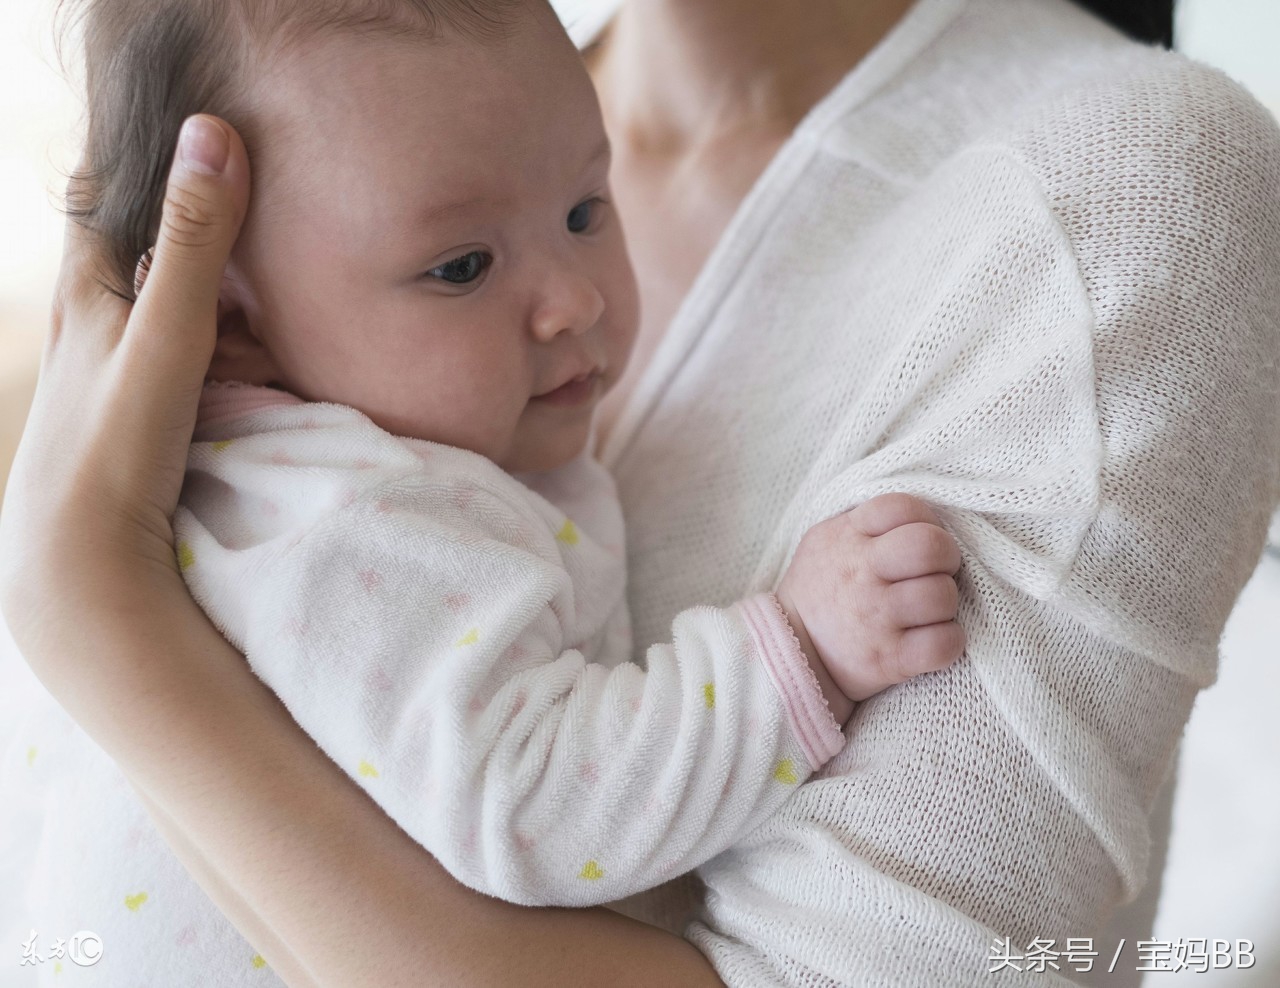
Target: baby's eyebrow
x=436 y=212
x=444 y=209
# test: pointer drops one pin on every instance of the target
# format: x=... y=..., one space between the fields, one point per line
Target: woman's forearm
x=233 y=906
x=309 y=868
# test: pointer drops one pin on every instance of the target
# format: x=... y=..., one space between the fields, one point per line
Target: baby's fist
x=872 y=593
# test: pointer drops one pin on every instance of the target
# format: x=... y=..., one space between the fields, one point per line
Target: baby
x=392 y=511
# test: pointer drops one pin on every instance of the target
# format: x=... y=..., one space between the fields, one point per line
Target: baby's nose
x=570 y=303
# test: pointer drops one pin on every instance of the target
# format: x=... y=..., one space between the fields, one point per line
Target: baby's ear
x=240 y=354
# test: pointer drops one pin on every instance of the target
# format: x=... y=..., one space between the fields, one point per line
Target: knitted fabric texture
x=1029 y=271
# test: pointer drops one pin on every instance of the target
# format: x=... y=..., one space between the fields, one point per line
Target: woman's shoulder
x=1145 y=120
x=1057 y=73
x=1164 y=175
x=1092 y=116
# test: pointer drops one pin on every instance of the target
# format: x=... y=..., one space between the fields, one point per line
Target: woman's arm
x=1108 y=474
x=226 y=899
x=93 y=596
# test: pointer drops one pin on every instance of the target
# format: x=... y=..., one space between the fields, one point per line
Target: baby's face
x=431 y=239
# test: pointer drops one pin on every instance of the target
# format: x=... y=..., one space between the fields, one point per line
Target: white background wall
x=37 y=114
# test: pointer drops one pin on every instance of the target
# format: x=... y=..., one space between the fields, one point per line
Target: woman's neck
x=698 y=95
x=674 y=75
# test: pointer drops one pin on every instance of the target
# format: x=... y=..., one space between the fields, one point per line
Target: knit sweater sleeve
x=1091 y=403
x=458 y=646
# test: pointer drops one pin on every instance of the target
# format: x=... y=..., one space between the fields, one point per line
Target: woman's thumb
x=147 y=408
x=204 y=205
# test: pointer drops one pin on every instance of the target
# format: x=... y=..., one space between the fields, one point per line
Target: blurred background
x=1223 y=874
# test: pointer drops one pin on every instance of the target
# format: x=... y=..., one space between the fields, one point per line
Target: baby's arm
x=413 y=621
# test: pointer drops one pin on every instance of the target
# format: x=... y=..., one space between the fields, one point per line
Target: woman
x=990 y=254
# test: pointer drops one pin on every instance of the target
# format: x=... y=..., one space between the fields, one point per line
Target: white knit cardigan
x=1029 y=271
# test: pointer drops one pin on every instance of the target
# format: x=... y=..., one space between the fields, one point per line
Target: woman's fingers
x=175 y=319
x=94 y=318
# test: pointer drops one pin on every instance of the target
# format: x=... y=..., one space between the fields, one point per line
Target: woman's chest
x=846 y=323
x=749 y=399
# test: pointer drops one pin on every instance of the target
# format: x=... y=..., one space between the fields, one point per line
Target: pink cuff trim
x=220 y=401
x=788 y=667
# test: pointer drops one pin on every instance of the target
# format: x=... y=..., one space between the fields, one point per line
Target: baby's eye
x=464 y=269
x=580 y=216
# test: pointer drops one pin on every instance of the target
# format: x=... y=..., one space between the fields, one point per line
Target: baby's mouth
x=576 y=391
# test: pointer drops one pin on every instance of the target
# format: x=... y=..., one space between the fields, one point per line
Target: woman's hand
x=97 y=476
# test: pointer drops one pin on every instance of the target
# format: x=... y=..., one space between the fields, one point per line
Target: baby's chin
x=548 y=454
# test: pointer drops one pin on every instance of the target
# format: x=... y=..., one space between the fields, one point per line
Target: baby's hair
x=150 y=64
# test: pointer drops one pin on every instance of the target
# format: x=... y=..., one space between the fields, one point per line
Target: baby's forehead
x=341 y=86
x=346 y=93
x=381 y=128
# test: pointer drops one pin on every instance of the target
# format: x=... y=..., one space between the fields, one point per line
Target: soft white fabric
x=458 y=642
x=1029 y=271
x=460 y=646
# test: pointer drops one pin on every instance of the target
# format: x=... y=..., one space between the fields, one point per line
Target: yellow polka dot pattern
x=134 y=902
x=591 y=871
x=709 y=694
x=785 y=772
x=221 y=444
x=258 y=961
x=470 y=638
x=367 y=770
x=568 y=534
x=186 y=556
x=31 y=755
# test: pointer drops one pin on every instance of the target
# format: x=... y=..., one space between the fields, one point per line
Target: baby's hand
x=871 y=596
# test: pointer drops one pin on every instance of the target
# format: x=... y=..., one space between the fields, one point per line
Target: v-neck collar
x=917 y=28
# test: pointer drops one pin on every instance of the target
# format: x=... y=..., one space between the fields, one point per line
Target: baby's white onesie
x=457 y=640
